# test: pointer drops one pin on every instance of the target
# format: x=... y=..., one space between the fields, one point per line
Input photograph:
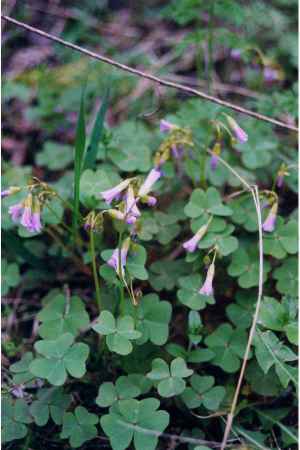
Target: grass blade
x=79 y=152
x=91 y=152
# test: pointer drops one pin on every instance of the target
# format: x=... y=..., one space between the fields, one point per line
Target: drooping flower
x=191 y=245
x=116 y=214
x=10 y=191
x=151 y=201
x=36 y=225
x=270 y=222
x=152 y=177
x=15 y=212
x=119 y=256
x=177 y=151
x=111 y=194
x=239 y=133
x=166 y=126
x=270 y=74
x=26 y=219
x=236 y=54
x=215 y=156
x=207 y=288
x=131 y=210
x=282 y=172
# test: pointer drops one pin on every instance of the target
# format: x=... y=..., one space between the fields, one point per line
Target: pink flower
x=279 y=181
x=240 y=134
x=207 y=288
x=166 y=126
x=152 y=177
x=270 y=222
x=114 y=260
x=270 y=74
x=236 y=54
x=177 y=151
x=151 y=201
x=15 y=211
x=5 y=193
x=110 y=194
x=36 y=225
x=131 y=210
x=10 y=191
x=116 y=214
x=191 y=244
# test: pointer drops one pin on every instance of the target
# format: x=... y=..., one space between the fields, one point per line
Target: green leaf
x=170 y=379
x=266 y=384
x=119 y=333
x=94 y=182
x=287 y=277
x=245 y=266
x=206 y=203
x=225 y=243
x=59 y=357
x=229 y=347
x=61 y=316
x=189 y=293
x=133 y=419
x=14 y=418
x=167 y=227
x=21 y=371
x=165 y=274
x=96 y=135
x=130 y=147
x=244 y=213
x=79 y=152
x=283 y=240
x=273 y=314
x=10 y=276
x=241 y=311
x=136 y=263
x=203 y=393
x=152 y=318
x=50 y=403
x=125 y=388
x=55 y=156
x=79 y=426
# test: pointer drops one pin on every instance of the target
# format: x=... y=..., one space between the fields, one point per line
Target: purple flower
x=236 y=54
x=207 y=288
x=110 y=194
x=15 y=211
x=115 y=214
x=5 y=193
x=131 y=209
x=151 y=201
x=177 y=151
x=36 y=225
x=279 y=181
x=270 y=74
x=191 y=245
x=26 y=218
x=166 y=126
x=240 y=134
x=270 y=222
x=152 y=177
x=214 y=162
x=114 y=260
x=10 y=191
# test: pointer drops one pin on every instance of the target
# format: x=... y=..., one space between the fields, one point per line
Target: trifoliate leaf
x=203 y=392
x=206 y=203
x=189 y=294
x=15 y=416
x=287 y=277
x=79 y=426
x=170 y=379
x=50 y=403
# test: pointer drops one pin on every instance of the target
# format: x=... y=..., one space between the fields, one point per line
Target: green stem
x=95 y=274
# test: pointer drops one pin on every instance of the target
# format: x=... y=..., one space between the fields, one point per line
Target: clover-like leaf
x=244 y=213
x=229 y=345
x=93 y=182
x=10 y=276
x=283 y=240
x=126 y=387
x=287 y=277
x=206 y=203
x=55 y=156
x=266 y=384
x=62 y=315
x=203 y=392
x=167 y=227
x=152 y=319
x=245 y=266
x=140 y=421
x=15 y=417
x=59 y=357
x=273 y=315
x=136 y=262
x=118 y=332
x=170 y=380
x=21 y=371
x=50 y=403
x=241 y=311
x=130 y=147
x=198 y=355
x=225 y=243
x=165 y=274
x=79 y=426
x=189 y=294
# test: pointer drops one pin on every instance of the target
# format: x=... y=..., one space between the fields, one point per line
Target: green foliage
x=50 y=403
x=203 y=392
x=59 y=357
x=118 y=332
x=189 y=294
x=55 y=156
x=79 y=426
x=15 y=418
x=170 y=380
x=206 y=203
x=10 y=276
x=134 y=420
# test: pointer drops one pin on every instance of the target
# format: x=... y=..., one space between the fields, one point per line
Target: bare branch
x=151 y=77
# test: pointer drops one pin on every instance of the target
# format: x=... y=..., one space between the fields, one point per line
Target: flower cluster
x=27 y=213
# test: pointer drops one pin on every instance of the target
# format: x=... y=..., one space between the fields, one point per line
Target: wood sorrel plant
x=151 y=305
